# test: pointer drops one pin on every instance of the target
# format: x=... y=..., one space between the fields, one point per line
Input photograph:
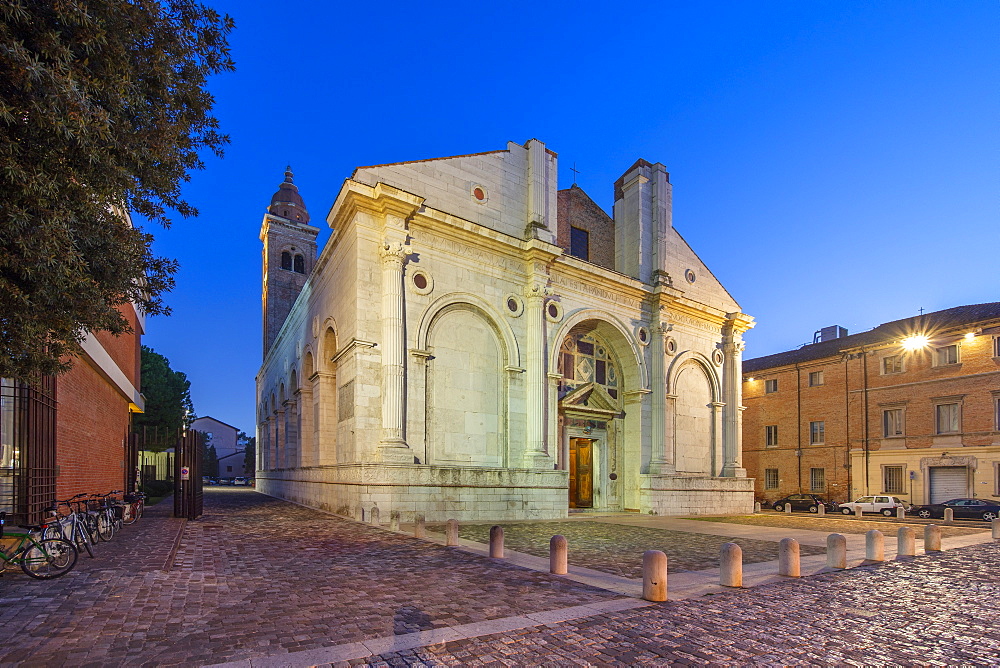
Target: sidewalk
x=260 y=582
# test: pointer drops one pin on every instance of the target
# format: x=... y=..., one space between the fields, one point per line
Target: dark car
x=966 y=509
x=804 y=502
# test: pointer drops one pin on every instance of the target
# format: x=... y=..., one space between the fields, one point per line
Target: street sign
x=185 y=473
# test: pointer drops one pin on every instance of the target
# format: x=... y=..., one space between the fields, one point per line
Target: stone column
x=280 y=436
x=535 y=455
x=393 y=447
x=732 y=395
x=659 y=460
x=307 y=434
x=718 y=440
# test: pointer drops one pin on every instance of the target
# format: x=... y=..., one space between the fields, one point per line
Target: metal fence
x=27 y=447
x=190 y=453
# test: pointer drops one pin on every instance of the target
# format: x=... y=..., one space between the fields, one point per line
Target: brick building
x=910 y=408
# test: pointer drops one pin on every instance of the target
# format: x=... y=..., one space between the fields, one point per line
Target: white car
x=874 y=504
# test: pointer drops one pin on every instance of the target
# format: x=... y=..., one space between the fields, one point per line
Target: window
x=892 y=422
x=817 y=433
x=948 y=418
x=771 y=435
x=892 y=479
x=286 y=260
x=771 y=386
x=579 y=243
x=892 y=364
x=947 y=355
x=770 y=478
x=584 y=358
x=996 y=411
x=815 y=378
x=300 y=265
x=229 y=469
x=817 y=480
x=996 y=346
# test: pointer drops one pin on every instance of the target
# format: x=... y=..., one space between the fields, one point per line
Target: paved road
x=260 y=582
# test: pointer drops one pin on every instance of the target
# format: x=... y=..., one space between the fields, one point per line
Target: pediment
x=591 y=399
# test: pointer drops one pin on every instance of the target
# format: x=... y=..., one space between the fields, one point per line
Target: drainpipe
x=847 y=425
x=864 y=371
x=798 y=413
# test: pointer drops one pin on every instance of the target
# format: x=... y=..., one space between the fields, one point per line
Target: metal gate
x=187 y=474
x=948 y=482
x=27 y=447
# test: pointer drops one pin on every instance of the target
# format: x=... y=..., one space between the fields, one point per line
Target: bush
x=157 y=487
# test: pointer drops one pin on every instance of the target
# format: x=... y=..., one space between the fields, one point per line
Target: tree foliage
x=168 y=402
x=249 y=445
x=103 y=110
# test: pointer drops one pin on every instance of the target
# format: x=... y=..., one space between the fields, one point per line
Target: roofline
x=445 y=157
x=202 y=417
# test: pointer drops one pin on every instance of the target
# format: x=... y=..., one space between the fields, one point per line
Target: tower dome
x=287 y=202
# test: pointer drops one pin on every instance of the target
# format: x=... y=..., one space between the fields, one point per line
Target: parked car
x=875 y=504
x=240 y=482
x=225 y=481
x=804 y=502
x=968 y=509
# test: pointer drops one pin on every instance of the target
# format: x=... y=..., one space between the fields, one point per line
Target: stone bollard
x=901 y=513
x=820 y=509
x=858 y=514
x=654 y=576
x=451 y=534
x=996 y=528
x=419 y=529
x=905 y=543
x=394 y=520
x=496 y=542
x=788 y=558
x=558 y=563
x=374 y=515
x=836 y=551
x=949 y=516
x=359 y=514
x=731 y=562
x=874 y=546
x=756 y=507
x=932 y=538
x=788 y=507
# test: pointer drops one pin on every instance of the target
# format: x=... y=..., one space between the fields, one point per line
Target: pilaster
x=535 y=455
x=393 y=447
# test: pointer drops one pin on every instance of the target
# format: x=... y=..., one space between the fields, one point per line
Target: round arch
x=615 y=334
x=464 y=299
x=688 y=358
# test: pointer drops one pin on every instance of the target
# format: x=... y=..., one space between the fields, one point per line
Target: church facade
x=474 y=343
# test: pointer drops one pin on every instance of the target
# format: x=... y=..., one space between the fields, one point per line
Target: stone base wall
x=440 y=493
x=680 y=495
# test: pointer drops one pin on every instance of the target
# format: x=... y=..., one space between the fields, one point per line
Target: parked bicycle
x=38 y=557
x=73 y=525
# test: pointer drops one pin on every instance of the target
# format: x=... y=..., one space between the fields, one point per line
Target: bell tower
x=289 y=255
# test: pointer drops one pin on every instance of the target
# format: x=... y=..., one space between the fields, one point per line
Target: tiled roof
x=927 y=323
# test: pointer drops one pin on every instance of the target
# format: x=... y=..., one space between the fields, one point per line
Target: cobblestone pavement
x=256 y=576
x=935 y=610
x=618 y=549
x=841 y=524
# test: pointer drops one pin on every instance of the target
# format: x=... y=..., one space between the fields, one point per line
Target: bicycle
x=71 y=527
x=41 y=558
x=135 y=502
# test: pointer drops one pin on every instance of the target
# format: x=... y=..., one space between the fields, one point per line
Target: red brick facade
x=880 y=406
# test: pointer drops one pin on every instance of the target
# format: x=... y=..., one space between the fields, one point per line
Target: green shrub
x=158 y=487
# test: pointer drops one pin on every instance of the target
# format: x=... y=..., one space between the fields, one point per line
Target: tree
x=168 y=402
x=249 y=445
x=103 y=110
x=210 y=460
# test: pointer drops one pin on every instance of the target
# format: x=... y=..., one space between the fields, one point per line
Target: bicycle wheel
x=105 y=528
x=49 y=558
x=53 y=531
x=82 y=539
x=90 y=523
x=131 y=514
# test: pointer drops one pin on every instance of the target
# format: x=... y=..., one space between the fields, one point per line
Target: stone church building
x=474 y=343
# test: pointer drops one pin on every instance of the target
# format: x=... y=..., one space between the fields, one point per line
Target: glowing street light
x=915 y=341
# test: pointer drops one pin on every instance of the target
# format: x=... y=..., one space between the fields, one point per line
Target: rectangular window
x=996 y=346
x=948 y=418
x=771 y=386
x=817 y=433
x=579 y=243
x=892 y=364
x=770 y=478
x=771 y=435
x=229 y=469
x=817 y=480
x=892 y=479
x=815 y=378
x=892 y=422
x=947 y=355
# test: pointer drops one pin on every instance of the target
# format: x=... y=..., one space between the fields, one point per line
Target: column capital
x=394 y=252
x=536 y=290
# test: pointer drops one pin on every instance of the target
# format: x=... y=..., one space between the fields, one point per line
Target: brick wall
x=576 y=209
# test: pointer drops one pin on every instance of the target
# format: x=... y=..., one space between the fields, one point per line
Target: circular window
x=671 y=346
x=515 y=306
x=642 y=334
x=554 y=311
x=717 y=357
x=690 y=276
x=479 y=194
x=422 y=282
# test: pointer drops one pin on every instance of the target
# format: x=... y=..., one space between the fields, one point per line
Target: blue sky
x=832 y=162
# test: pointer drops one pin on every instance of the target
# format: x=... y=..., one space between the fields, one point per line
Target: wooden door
x=581 y=473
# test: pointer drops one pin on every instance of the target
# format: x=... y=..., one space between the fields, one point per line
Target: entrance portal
x=581 y=473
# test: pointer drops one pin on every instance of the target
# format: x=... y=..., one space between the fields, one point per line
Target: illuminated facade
x=473 y=343
x=910 y=408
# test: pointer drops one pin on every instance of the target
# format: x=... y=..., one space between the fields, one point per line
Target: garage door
x=949 y=482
